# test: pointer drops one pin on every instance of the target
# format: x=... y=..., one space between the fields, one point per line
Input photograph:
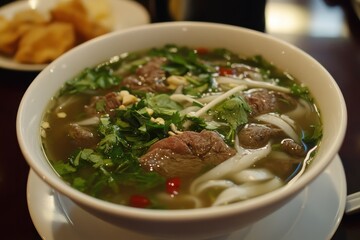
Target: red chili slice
x=139 y=201
x=202 y=50
x=224 y=71
x=173 y=185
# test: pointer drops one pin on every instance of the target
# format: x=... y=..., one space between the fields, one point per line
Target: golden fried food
x=12 y=31
x=29 y=16
x=3 y=23
x=74 y=12
x=45 y=43
x=32 y=38
x=7 y=41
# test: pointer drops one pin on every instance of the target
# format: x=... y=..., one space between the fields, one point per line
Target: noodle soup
x=178 y=127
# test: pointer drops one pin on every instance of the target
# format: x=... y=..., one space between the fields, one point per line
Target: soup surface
x=178 y=127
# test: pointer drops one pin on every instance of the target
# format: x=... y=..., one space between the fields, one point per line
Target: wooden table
x=336 y=48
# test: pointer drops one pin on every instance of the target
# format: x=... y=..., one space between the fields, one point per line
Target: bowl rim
x=184 y=214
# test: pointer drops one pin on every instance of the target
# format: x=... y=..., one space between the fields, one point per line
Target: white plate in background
x=124 y=14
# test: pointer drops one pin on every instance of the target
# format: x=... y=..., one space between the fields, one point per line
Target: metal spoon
x=352 y=203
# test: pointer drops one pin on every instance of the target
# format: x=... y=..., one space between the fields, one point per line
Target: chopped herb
x=90 y=79
x=233 y=111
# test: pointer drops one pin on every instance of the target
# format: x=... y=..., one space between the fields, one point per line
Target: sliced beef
x=258 y=135
x=254 y=136
x=263 y=101
x=292 y=148
x=148 y=78
x=186 y=154
x=103 y=104
x=82 y=136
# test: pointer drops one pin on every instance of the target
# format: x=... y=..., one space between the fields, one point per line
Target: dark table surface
x=327 y=30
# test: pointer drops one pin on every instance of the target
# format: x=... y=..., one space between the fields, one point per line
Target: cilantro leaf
x=63 y=168
x=90 y=79
x=162 y=104
x=234 y=111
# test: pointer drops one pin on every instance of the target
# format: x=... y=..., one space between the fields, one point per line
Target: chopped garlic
x=122 y=107
x=174 y=129
x=123 y=93
x=61 y=115
x=158 y=120
x=175 y=81
x=129 y=99
x=42 y=133
x=45 y=125
x=171 y=133
x=149 y=111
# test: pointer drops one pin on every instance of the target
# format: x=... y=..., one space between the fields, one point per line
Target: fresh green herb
x=181 y=60
x=90 y=79
x=311 y=138
x=233 y=111
x=63 y=168
x=301 y=91
x=162 y=104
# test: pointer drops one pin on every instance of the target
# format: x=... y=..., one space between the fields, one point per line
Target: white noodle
x=64 y=103
x=297 y=112
x=246 y=191
x=289 y=120
x=209 y=98
x=218 y=100
x=303 y=108
x=183 y=98
x=232 y=165
x=181 y=198
x=276 y=120
x=252 y=175
x=89 y=121
x=188 y=110
x=239 y=149
x=213 y=184
x=251 y=83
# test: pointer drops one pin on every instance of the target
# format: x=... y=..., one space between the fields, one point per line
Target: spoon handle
x=353 y=203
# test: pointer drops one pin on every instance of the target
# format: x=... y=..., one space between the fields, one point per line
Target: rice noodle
x=251 y=83
x=189 y=110
x=180 y=198
x=63 y=103
x=246 y=191
x=218 y=100
x=89 y=121
x=183 y=98
x=252 y=175
x=275 y=119
x=289 y=120
x=213 y=184
x=301 y=109
x=232 y=165
x=209 y=98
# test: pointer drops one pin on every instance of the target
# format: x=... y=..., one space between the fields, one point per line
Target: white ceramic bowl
x=197 y=223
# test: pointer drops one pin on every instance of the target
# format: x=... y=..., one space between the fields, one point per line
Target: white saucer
x=305 y=217
x=125 y=14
